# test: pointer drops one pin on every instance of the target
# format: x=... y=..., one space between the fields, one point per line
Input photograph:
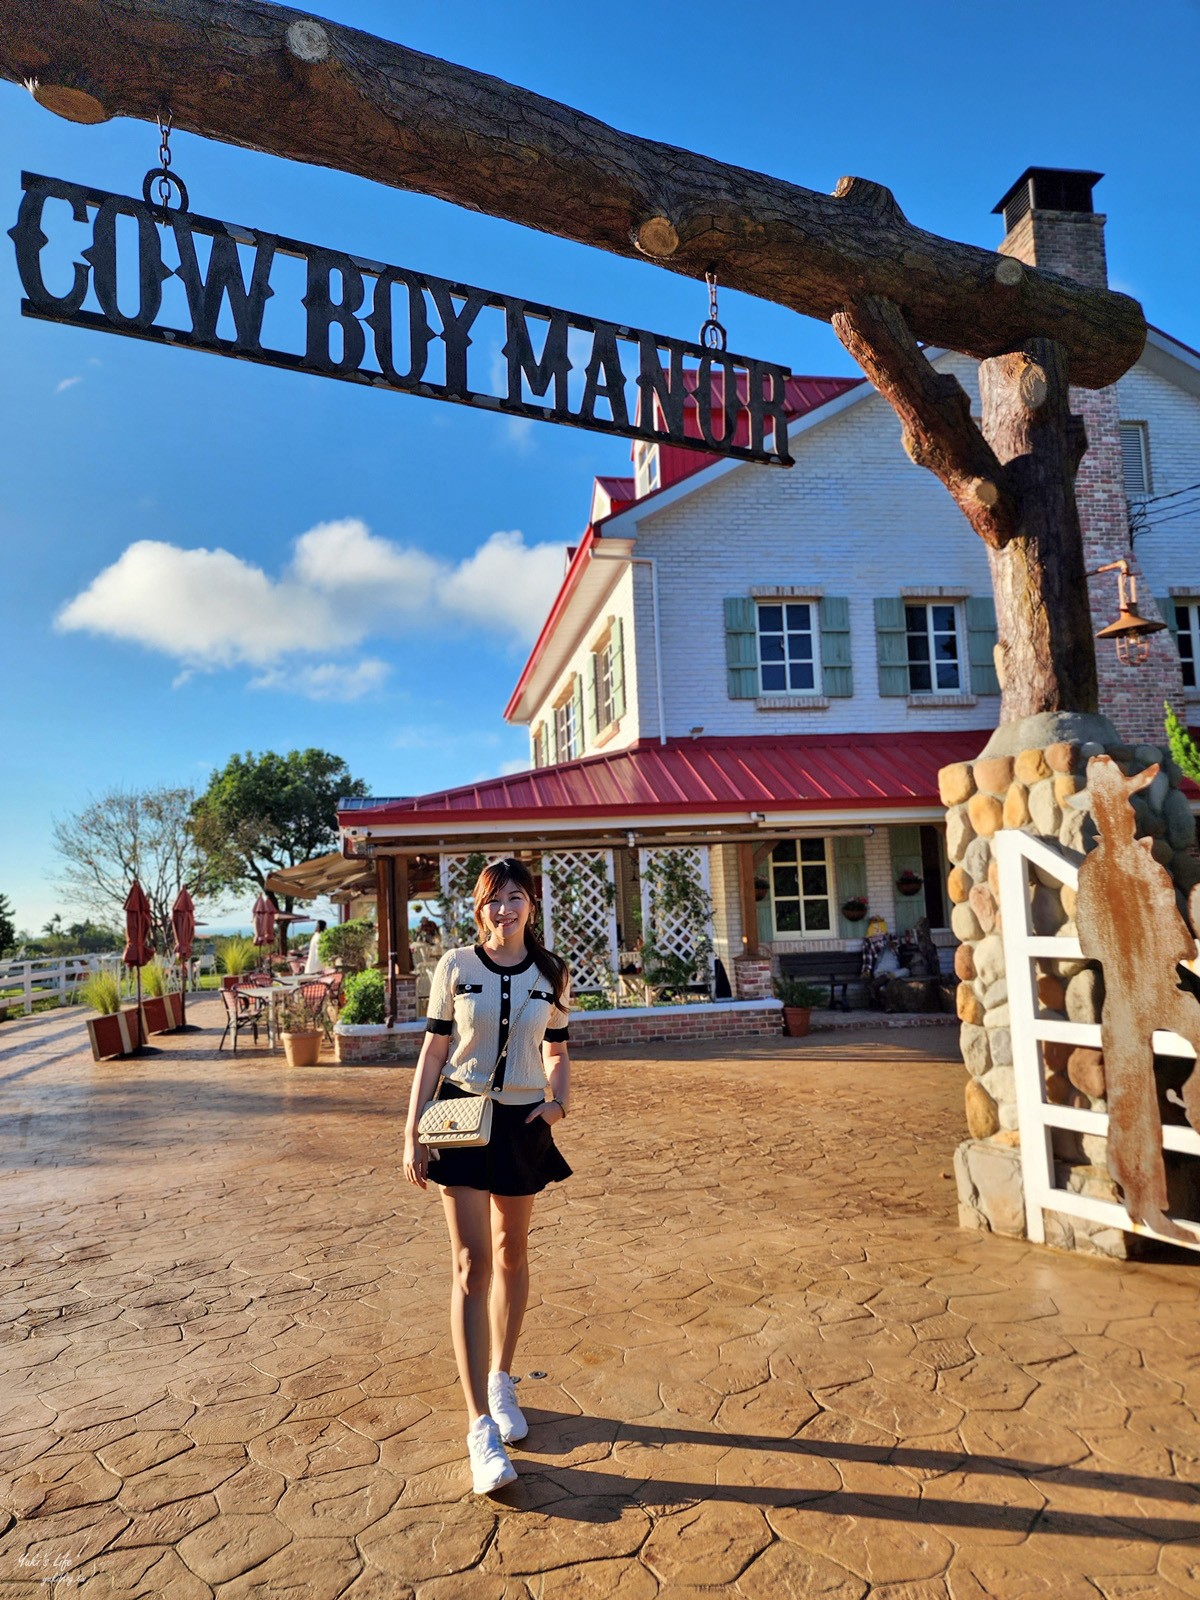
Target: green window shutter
x=849 y=879
x=551 y=737
x=891 y=644
x=981 y=642
x=579 y=714
x=1166 y=607
x=837 y=676
x=618 y=669
x=906 y=857
x=741 y=647
x=591 y=698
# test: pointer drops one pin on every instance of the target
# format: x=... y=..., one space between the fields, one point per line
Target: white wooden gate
x=1036 y=1118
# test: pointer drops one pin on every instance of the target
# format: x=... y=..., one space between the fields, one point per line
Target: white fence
x=1036 y=1117
x=23 y=982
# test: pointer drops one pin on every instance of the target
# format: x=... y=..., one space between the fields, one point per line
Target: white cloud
x=210 y=609
x=327 y=680
x=64 y=384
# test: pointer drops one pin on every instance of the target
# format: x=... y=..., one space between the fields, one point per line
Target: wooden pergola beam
x=279 y=80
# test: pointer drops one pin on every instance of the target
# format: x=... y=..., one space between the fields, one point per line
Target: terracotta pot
x=302 y=1049
x=233 y=980
x=112 y=1035
x=796 y=1020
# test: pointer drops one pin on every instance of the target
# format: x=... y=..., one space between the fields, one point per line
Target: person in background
x=314 y=962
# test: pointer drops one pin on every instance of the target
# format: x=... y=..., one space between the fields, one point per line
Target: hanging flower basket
x=909 y=882
x=761 y=888
x=854 y=909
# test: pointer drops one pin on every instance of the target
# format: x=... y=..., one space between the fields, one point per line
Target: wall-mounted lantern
x=1130 y=629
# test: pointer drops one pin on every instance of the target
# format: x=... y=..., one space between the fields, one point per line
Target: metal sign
x=262 y=297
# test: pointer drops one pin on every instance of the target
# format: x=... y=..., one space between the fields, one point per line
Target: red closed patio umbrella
x=264 y=922
x=139 y=949
x=183 y=924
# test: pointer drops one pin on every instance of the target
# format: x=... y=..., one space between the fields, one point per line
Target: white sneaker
x=490 y=1467
x=506 y=1413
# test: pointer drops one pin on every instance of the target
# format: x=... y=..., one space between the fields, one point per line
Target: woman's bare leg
x=471 y=1268
x=510 y=1279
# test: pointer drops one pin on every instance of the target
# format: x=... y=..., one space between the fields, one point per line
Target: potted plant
x=798 y=998
x=301 y=1029
x=761 y=888
x=855 y=909
x=909 y=881
x=109 y=1030
x=237 y=956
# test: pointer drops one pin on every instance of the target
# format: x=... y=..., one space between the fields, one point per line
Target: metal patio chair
x=241 y=1013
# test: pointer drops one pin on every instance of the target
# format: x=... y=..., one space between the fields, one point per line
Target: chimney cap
x=1049 y=189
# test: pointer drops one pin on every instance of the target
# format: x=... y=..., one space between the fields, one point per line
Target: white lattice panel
x=457 y=907
x=584 y=932
x=672 y=934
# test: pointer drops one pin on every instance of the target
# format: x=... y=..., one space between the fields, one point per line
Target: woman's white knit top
x=482 y=1004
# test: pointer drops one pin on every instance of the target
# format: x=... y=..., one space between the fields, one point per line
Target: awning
x=322 y=875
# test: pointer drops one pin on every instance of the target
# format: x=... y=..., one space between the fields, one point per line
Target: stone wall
x=1032 y=791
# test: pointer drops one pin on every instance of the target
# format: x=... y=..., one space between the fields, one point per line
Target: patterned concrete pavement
x=761 y=1360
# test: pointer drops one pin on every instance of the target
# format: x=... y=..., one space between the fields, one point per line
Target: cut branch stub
x=279 y=80
x=935 y=413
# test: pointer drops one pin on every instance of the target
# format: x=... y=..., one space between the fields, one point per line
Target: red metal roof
x=701 y=777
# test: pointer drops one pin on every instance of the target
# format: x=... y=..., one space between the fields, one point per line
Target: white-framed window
x=787 y=647
x=801 y=887
x=606 y=709
x=1187 y=623
x=1135 y=459
x=934 y=657
x=566 y=727
x=645 y=464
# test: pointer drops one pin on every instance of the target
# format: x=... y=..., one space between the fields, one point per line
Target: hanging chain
x=160 y=182
x=712 y=333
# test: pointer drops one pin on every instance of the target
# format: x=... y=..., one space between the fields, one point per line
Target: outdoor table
x=260 y=991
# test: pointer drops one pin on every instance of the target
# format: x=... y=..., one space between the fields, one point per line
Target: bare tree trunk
x=1046 y=657
x=275 y=79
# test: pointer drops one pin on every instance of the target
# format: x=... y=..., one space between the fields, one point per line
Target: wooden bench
x=838 y=968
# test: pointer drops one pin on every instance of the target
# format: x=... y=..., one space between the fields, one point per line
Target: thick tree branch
x=933 y=407
x=274 y=79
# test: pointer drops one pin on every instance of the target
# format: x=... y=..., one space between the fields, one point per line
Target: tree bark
x=274 y=79
x=1046 y=657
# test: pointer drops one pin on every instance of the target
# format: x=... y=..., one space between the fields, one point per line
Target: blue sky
x=177 y=528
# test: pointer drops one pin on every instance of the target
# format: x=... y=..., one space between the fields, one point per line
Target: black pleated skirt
x=519 y=1158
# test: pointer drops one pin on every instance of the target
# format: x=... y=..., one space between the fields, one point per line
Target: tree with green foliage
x=1184 y=750
x=8 y=928
x=260 y=814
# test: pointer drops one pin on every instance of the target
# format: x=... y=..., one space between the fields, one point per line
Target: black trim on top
x=494 y=966
x=436 y=1025
x=556 y=1035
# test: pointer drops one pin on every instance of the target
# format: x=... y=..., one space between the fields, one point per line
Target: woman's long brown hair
x=489 y=883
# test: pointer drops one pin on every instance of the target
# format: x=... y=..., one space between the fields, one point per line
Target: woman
x=505 y=999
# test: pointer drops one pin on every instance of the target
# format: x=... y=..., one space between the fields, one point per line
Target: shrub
x=154 y=979
x=351 y=943
x=102 y=992
x=1184 y=751
x=794 y=992
x=366 y=997
x=237 y=955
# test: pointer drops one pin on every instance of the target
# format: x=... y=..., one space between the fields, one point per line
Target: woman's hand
x=416 y=1161
x=549 y=1111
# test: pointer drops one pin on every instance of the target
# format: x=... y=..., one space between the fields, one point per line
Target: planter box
x=373 y=1044
x=112 y=1035
x=161 y=1013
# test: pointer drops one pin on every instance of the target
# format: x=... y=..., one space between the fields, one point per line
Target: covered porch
x=694 y=866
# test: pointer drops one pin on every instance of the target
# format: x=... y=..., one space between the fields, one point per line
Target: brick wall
x=590 y=1030
x=1131 y=696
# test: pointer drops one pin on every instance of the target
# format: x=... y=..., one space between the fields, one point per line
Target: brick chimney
x=1049 y=222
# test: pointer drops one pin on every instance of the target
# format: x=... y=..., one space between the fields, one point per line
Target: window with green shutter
x=837 y=676
x=891 y=645
x=616 y=653
x=981 y=644
x=850 y=880
x=906 y=857
x=741 y=647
